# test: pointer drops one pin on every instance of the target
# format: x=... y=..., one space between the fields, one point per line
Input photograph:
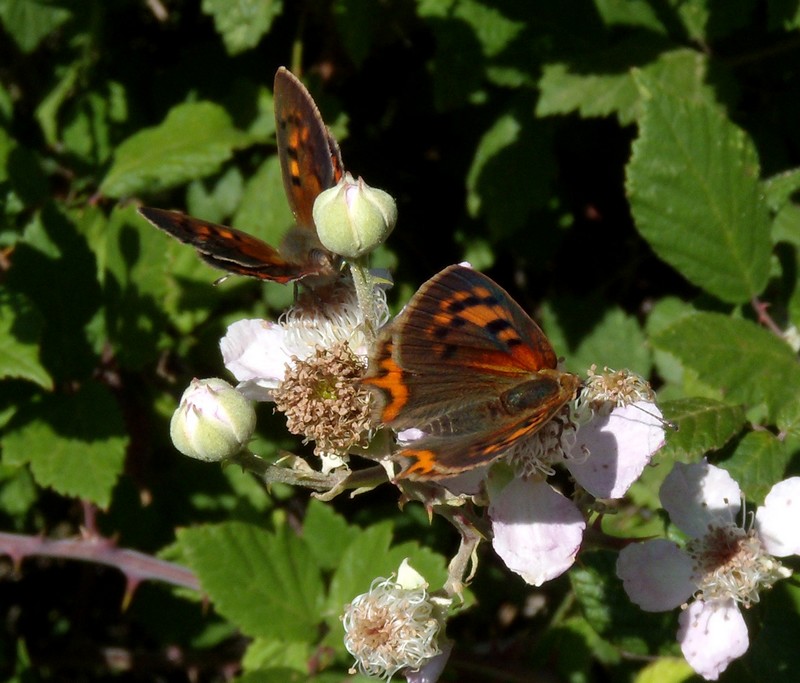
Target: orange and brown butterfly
x=310 y=163
x=468 y=367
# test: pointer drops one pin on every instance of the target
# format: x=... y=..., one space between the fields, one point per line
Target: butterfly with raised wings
x=468 y=367
x=310 y=163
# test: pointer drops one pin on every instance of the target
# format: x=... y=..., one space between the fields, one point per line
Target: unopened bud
x=213 y=421
x=353 y=218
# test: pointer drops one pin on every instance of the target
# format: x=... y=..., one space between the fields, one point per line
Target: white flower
x=258 y=352
x=537 y=531
x=723 y=565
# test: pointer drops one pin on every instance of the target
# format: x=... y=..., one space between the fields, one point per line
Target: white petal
x=257 y=391
x=656 y=575
x=619 y=447
x=406 y=436
x=537 y=532
x=712 y=635
x=778 y=520
x=253 y=350
x=700 y=494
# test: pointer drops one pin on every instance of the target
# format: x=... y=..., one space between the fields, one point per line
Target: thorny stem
x=136 y=566
x=761 y=308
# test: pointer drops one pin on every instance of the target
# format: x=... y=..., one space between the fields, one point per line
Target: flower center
x=549 y=445
x=730 y=563
x=324 y=401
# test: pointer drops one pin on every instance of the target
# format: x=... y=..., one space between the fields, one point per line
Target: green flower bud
x=213 y=421
x=353 y=218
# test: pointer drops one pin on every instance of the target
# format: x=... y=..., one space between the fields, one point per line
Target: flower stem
x=364 y=284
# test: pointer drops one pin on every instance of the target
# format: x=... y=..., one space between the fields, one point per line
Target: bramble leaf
x=695 y=194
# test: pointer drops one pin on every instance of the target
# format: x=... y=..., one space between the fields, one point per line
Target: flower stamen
x=324 y=401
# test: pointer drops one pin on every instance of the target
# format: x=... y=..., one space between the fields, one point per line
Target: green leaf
x=617 y=342
x=783 y=15
x=266 y=583
x=48 y=109
x=601 y=83
x=666 y=670
x=695 y=196
x=56 y=271
x=567 y=650
x=242 y=23
x=192 y=142
x=18 y=491
x=358 y=22
x=703 y=425
x=629 y=13
x=504 y=197
x=759 y=461
x=29 y=21
x=778 y=189
x=137 y=273
x=615 y=339
x=459 y=60
x=74 y=443
x=566 y=89
x=218 y=202
x=327 y=534
x=786 y=226
x=609 y=611
x=664 y=313
x=775 y=656
x=20 y=329
x=748 y=363
x=264 y=210
x=269 y=653
x=494 y=30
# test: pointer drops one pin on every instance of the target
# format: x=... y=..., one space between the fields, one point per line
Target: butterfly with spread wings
x=310 y=163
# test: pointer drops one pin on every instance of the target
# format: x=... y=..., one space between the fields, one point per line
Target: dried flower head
x=324 y=401
x=391 y=627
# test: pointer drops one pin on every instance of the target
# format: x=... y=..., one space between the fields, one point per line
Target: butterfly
x=310 y=163
x=468 y=367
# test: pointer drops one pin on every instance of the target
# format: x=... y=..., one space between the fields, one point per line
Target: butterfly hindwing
x=468 y=367
x=224 y=247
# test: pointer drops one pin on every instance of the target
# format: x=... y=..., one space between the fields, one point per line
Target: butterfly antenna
x=222 y=279
x=667 y=423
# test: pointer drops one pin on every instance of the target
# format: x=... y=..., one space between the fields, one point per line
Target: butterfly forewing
x=462 y=319
x=309 y=156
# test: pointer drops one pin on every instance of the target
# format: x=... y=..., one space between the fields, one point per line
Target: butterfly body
x=465 y=365
x=310 y=163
